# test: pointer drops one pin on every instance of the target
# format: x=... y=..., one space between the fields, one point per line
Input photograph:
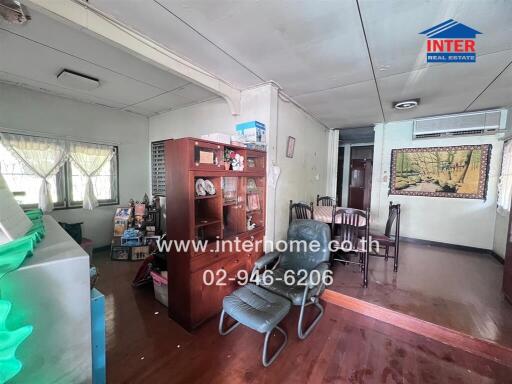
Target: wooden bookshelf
x=239 y=196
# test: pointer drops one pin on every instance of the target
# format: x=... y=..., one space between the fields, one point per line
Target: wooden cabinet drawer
x=207 y=294
x=203 y=260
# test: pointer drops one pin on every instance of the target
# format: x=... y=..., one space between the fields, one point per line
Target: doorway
x=360 y=180
x=339 y=179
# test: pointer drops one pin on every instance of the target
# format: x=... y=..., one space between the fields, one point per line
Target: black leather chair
x=308 y=292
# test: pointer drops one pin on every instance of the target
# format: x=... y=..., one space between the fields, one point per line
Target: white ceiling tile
x=163 y=102
x=393 y=28
x=21 y=81
x=499 y=94
x=349 y=106
x=192 y=92
x=442 y=89
x=26 y=53
x=155 y=22
x=305 y=46
x=88 y=47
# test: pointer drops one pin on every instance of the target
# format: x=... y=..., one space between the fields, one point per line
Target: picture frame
x=452 y=171
x=123 y=213
x=290 y=146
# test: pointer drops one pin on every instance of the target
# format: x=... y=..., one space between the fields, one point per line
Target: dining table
x=323 y=213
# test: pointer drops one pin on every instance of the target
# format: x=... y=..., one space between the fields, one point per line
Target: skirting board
x=479 y=347
x=453 y=246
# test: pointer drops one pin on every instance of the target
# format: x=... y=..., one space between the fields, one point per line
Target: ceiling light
x=406 y=104
x=14 y=12
x=78 y=80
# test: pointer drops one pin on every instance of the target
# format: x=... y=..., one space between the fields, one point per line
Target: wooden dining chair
x=390 y=238
x=348 y=237
x=326 y=201
x=302 y=211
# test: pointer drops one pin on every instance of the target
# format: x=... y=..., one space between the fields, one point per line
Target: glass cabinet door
x=254 y=202
x=255 y=161
x=207 y=155
x=232 y=206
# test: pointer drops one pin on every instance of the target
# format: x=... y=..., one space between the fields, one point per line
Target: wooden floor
x=457 y=289
x=145 y=346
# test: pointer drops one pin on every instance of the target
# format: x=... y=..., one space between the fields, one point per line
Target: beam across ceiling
x=85 y=17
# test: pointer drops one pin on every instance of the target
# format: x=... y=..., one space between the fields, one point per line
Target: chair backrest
x=348 y=221
x=326 y=201
x=393 y=215
x=303 y=211
x=299 y=255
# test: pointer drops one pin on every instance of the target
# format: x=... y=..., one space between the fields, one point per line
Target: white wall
x=301 y=178
x=29 y=111
x=192 y=121
x=448 y=220
x=305 y=175
x=501 y=224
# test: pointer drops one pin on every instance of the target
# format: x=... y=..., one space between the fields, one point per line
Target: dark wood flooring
x=145 y=346
x=460 y=290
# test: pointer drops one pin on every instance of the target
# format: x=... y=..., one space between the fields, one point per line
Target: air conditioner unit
x=473 y=123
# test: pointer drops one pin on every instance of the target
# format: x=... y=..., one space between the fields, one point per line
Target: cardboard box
x=139 y=253
x=217 y=137
x=253 y=131
x=120 y=252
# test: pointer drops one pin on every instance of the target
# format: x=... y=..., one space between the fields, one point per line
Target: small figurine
x=250 y=224
x=145 y=200
x=238 y=162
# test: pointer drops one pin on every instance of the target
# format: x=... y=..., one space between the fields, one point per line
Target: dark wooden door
x=360 y=184
x=507 y=270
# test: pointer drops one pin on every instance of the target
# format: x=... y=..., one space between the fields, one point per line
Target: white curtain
x=89 y=158
x=505 y=181
x=41 y=156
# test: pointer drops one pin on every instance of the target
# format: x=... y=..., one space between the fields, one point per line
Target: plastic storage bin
x=160 y=287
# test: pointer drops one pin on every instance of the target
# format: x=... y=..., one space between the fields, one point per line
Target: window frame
x=114 y=182
x=64 y=186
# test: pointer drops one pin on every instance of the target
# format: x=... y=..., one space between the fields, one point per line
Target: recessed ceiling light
x=78 y=80
x=406 y=104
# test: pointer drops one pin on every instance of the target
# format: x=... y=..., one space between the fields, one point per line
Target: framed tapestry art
x=459 y=172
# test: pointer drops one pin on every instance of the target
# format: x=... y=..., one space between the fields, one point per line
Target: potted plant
x=229 y=156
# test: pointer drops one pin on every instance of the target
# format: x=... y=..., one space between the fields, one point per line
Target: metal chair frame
x=266 y=361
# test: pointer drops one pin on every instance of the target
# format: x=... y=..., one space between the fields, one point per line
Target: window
x=505 y=181
x=104 y=183
x=158 y=168
x=25 y=185
x=67 y=186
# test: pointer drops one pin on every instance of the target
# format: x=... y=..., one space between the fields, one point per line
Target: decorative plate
x=210 y=188
x=200 y=187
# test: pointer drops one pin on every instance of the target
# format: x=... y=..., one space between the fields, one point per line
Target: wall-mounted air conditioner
x=472 y=123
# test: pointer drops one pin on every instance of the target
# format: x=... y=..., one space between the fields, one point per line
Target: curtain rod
x=59 y=137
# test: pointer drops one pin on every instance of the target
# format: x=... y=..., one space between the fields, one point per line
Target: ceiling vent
x=14 y=12
x=474 y=123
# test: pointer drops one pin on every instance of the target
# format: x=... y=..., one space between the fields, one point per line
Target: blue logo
x=451 y=42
